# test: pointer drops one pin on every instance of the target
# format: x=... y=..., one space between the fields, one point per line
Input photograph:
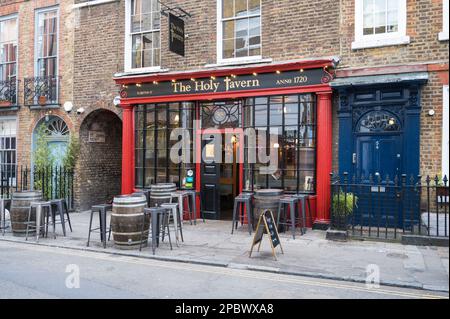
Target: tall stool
x=101 y=210
x=59 y=207
x=181 y=196
x=242 y=204
x=302 y=200
x=160 y=221
x=43 y=211
x=178 y=225
x=193 y=208
x=288 y=202
x=4 y=204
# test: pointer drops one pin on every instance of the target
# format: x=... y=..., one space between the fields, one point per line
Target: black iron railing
x=55 y=182
x=371 y=206
x=41 y=91
x=8 y=93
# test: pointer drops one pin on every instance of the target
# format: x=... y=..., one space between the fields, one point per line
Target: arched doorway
x=99 y=166
x=57 y=135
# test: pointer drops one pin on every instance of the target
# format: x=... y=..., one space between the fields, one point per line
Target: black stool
x=101 y=209
x=302 y=200
x=241 y=203
x=160 y=222
x=291 y=202
x=59 y=207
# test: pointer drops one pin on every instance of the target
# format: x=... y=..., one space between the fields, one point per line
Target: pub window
x=47 y=43
x=380 y=23
x=292 y=119
x=154 y=124
x=8 y=152
x=239 y=30
x=443 y=36
x=8 y=50
x=142 y=38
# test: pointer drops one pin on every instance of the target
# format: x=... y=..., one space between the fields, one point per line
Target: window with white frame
x=239 y=30
x=142 y=38
x=380 y=23
x=443 y=36
x=8 y=151
x=8 y=49
x=47 y=43
x=445 y=134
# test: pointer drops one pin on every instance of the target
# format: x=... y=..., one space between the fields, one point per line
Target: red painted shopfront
x=293 y=97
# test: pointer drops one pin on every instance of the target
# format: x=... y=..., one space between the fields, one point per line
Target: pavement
x=42 y=272
x=310 y=255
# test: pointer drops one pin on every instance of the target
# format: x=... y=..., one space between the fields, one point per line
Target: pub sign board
x=231 y=83
x=176 y=34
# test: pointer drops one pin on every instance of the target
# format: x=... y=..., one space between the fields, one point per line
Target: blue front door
x=379 y=156
x=378 y=162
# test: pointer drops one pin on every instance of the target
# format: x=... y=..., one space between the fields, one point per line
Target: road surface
x=33 y=271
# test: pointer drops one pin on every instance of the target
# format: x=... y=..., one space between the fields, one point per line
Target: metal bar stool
x=160 y=221
x=178 y=225
x=242 y=205
x=181 y=197
x=59 y=207
x=288 y=202
x=4 y=204
x=302 y=200
x=193 y=208
x=102 y=210
x=43 y=211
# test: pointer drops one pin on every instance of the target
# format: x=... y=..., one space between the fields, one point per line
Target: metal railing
x=55 y=182
x=8 y=93
x=391 y=207
x=41 y=90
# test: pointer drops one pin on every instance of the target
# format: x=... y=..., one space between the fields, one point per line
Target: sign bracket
x=176 y=11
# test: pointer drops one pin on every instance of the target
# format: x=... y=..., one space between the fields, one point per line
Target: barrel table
x=161 y=193
x=20 y=206
x=126 y=221
x=266 y=199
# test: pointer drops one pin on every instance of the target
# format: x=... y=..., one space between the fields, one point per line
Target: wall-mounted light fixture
x=68 y=106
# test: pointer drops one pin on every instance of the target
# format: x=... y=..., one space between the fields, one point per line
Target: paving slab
x=312 y=254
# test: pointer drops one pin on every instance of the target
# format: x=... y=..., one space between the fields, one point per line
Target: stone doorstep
x=110 y=251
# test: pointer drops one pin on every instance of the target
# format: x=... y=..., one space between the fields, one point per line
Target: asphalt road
x=31 y=271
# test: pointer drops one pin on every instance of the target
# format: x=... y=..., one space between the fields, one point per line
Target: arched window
x=378 y=121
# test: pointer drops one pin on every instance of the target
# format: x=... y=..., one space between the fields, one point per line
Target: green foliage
x=41 y=154
x=71 y=156
x=343 y=205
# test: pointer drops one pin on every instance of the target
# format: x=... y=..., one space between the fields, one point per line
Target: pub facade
x=221 y=85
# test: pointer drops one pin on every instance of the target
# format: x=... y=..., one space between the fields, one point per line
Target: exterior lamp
x=276 y=145
x=234 y=139
x=68 y=106
x=391 y=121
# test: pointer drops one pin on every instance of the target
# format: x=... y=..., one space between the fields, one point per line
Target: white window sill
x=443 y=36
x=141 y=71
x=238 y=62
x=91 y=3
x=382 y=42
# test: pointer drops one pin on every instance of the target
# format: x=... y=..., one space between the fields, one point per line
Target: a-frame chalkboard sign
x=266 y=225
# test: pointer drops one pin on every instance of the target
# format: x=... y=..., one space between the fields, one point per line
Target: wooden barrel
x=161 y=193
x=20 y=205
x=126 y=221
x=266 y=199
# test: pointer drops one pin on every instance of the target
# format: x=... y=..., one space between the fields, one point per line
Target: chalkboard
x=266 y=225
x=272 y=229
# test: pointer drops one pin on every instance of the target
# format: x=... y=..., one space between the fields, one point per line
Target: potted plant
x=442 y=189
x=342 y=208
x=4 y=103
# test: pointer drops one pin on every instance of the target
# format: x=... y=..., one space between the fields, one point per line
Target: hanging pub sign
x=176 y=34
x=230 y=83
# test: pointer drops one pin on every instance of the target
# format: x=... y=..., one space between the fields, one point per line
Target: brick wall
x=98 y=177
